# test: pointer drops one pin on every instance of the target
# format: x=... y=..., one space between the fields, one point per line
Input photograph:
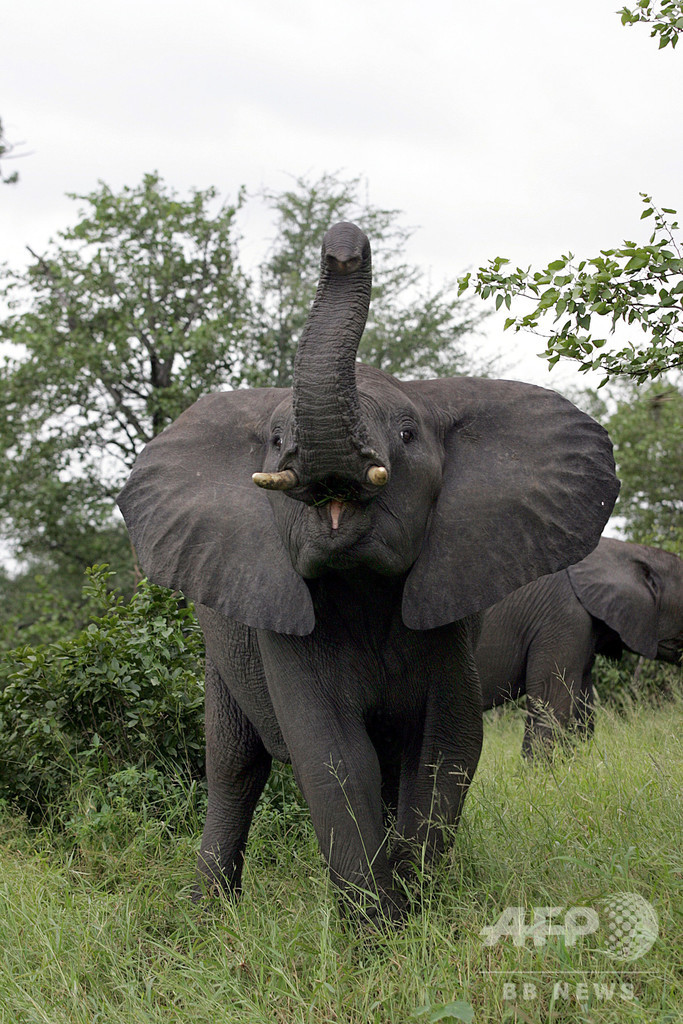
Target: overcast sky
x=523 y=128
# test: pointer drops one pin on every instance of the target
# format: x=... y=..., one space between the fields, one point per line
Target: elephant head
x=638 y=592
x=463 y=489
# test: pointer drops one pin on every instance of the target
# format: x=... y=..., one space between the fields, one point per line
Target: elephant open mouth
x=334 y=510
x=336 y=502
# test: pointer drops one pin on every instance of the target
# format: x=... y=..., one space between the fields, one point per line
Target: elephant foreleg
x=237 y=767
x=585 y=708
x=336 y=767
x=549 y=706
x=440 y=762
x=556 y=690
x=340 y=777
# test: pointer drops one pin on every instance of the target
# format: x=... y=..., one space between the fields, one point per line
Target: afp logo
x=627 y=925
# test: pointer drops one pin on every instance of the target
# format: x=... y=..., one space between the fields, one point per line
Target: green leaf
x=637 y=261
x=548 y=298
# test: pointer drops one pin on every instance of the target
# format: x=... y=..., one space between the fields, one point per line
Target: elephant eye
x=407 y=435
x=277 y=441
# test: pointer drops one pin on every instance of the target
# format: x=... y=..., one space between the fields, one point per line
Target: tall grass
x=96 y=922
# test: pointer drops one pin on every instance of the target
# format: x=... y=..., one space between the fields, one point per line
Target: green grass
x=96 y=922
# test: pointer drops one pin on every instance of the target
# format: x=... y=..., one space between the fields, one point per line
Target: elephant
x=543 y=639
x=339 y=539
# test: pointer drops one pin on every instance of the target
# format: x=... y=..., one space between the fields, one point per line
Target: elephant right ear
x=198 y=523
x=617 y=585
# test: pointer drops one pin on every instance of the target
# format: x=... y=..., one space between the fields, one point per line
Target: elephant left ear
x=528 y=485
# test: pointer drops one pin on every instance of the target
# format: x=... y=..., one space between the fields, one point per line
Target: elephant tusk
x=377 y=475
x=283 y=481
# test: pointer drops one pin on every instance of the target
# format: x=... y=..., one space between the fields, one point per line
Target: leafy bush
x=633 y=680
x=132 y=806
x=43 y=602
x=125 y=692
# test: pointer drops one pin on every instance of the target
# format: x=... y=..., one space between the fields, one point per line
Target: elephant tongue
x=336 y=507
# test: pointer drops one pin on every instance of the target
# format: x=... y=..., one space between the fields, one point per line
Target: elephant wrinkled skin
x=543 y=639
x=338 y=540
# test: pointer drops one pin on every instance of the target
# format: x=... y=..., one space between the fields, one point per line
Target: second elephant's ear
x=528 y=485
x=617 y=585
x=198 y=522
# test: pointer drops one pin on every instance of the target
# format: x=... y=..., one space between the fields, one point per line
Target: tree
x=6 y=149
x=632 y=284
x=126 y=320
x=635 y=285
x=43 y=604
x=646 y=427
x=412 y=330
x=666 y=19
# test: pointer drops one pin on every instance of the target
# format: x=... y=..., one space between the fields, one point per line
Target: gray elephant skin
x=338 y=540
x=543 y=639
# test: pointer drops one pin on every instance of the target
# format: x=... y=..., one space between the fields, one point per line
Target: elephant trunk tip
x=344 y=267
x=345 y=248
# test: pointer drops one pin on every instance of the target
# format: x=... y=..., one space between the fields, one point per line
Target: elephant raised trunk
x=332 y=445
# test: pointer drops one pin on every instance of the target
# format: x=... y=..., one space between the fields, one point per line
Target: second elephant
x=543 y=639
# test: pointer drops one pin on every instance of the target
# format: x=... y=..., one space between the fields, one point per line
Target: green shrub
x=108 y=813
x=633 y=680
x=125 y=692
